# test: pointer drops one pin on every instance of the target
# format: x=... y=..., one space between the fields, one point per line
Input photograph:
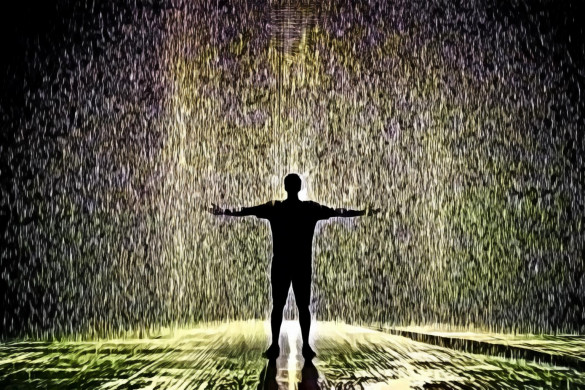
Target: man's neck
x=293 y=198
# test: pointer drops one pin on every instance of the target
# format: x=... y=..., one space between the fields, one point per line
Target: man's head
x=292 y=183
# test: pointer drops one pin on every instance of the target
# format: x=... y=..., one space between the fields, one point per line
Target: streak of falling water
x=288 y=24
x=125 y=120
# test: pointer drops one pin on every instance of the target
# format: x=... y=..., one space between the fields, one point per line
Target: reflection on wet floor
x=290 y=370
x=309 y=377
x=229 y=356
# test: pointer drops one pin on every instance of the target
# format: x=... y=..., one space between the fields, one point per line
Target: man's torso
x=293 y=225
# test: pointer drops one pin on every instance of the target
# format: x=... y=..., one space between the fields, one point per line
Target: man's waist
x=292 y=252
x=292 y=264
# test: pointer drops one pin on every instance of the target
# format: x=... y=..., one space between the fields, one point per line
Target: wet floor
x=229 y=356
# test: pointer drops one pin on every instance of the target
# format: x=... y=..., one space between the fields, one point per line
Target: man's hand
x=216 y=210
x=372 y=211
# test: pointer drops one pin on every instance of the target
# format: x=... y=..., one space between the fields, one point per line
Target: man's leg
x=305 y=322
x=276 y=318
x=302 y=288
x=280 y=281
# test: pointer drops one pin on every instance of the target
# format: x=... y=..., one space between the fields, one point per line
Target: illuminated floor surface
x=229 y=356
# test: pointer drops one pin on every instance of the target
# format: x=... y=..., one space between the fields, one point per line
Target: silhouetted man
x=292 y=222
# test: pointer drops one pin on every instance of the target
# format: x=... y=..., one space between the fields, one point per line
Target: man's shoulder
x=273 y=203
x=311 y=204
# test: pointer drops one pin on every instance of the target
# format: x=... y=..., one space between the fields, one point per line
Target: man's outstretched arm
x=355 y=213
x=327 y=212
x=259 y=211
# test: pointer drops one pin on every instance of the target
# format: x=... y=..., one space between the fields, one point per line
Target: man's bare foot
x=272 y=352
x=308 y=352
